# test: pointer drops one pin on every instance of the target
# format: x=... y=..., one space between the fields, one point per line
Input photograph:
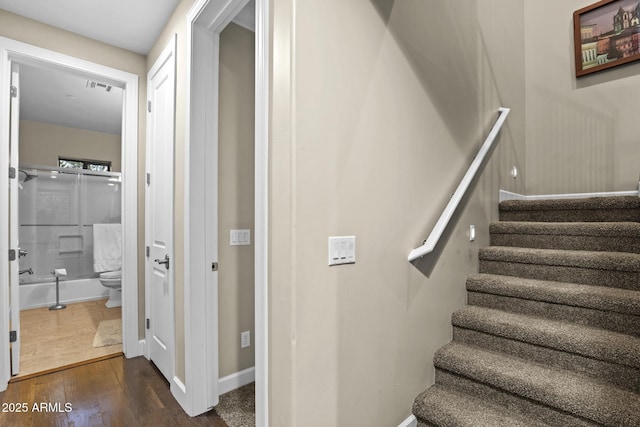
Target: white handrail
x=429 y=245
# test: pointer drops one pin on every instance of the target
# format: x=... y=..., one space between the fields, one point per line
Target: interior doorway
x=207 y=19
x=13 y=52
x=69 y=180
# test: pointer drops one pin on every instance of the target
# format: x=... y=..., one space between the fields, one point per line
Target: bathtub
x=41 y=292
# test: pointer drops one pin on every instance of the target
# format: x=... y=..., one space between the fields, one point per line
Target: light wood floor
x=54 y=339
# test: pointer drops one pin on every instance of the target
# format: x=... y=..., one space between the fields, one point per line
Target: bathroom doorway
x=89 y=181
x=69 y=193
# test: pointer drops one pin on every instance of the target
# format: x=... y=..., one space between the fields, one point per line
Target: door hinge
x=147 y=251
x=148 y=178
x=14 y=92
x=149 y=106
x=13 y=336
x=148 y=323
x=214 y=266
x=12 y=172
x=12 y=254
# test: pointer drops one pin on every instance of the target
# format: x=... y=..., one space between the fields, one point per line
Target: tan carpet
x=237 y=408
x=109 y=333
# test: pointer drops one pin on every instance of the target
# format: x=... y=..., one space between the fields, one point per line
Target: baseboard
x=236 y=380
x=411 y=421
x=141 y=344
x=179 y=392
x=508 y=195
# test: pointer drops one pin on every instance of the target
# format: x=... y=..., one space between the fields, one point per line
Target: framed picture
x=606 y=34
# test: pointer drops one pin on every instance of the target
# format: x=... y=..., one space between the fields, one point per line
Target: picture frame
x=606 y=34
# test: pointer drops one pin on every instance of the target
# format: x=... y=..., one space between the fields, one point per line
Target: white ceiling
x=133 y=25
x=61 y=98
x=55 y=97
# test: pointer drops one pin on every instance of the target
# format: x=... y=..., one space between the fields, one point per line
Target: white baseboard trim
x=140 y=348
x=411 y=421
x=179 y=392
x=507 y=195
x=236 y=380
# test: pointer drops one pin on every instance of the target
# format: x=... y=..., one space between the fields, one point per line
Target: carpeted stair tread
x=595 y=229
x=587 y=236
x=615 y=261
x=566 y=391
x=585 y=203
x=624 y=208
x=600 y=344
x=604 y=298
x=615 y=374
x=440 y=406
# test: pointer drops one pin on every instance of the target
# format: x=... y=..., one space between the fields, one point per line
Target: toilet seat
x=111 y=274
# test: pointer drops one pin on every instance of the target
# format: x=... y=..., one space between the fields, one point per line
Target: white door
x=14 y=243
x=159 y=212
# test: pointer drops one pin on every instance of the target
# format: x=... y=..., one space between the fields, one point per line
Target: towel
x=107 y=247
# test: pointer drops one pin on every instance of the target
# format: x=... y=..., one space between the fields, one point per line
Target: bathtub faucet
x=29 y=270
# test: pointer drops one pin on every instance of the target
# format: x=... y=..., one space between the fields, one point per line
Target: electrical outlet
x=245 y=339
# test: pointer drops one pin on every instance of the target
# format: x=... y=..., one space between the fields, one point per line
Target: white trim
x=205 y=21
x=236 y=380
x=142 y=344
x=246 y=18
x=5 y=119
x=29 y=54
x=200 y=284
x=261 y=226
x=411 y=421
x=508 y=195
x=179 y=391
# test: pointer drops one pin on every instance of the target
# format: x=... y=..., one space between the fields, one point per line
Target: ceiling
x=133 y=25
x=60 y=98
x=65 y=99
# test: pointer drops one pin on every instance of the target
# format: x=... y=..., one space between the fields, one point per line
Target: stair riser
x=584 y=316
x=618 y=375
x=570 y=215
x=587 y=276
x=523 y=406
x=572 y=243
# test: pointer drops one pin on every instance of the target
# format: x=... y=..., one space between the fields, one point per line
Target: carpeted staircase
x=551 y=332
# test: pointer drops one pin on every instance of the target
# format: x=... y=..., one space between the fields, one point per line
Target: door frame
x=205 y=20
x=23 y=53
x=168 y=54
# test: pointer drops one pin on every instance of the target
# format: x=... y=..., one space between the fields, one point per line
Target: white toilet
x=107 y=260
x=113 y=281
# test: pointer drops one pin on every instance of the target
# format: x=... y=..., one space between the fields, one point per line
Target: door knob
x=164 y=261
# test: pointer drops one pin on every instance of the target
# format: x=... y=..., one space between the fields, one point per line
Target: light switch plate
x=245 y=339
x=240 y=237
x=342 y=250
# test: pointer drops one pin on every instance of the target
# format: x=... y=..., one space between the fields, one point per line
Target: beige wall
x=581 y=133
x=45 y=36
x=41 y=144
x=378 y=108
x=236 y=195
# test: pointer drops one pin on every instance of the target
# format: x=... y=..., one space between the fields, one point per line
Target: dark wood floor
x=113 y=392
